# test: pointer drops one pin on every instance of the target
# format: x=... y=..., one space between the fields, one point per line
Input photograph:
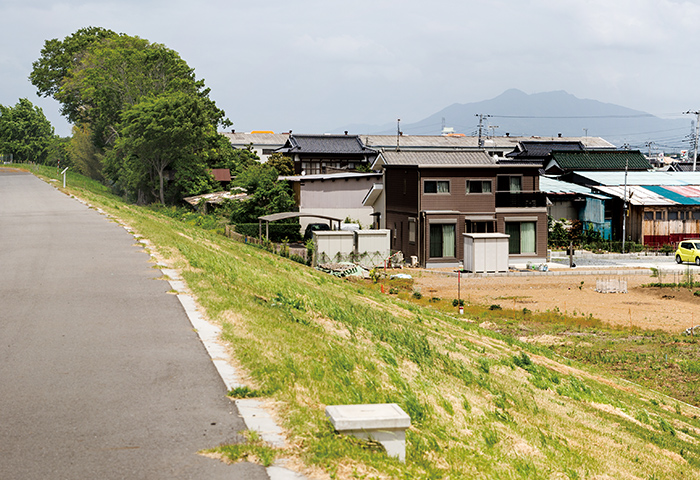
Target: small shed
x=334 y=246
x=372 y=247
x=485 y=252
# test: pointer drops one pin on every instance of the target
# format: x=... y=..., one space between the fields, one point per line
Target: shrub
x=278 y=231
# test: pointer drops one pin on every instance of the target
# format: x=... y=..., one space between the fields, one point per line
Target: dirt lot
x=668 y=309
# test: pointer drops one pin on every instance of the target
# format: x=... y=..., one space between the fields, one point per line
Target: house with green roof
x=563 y=162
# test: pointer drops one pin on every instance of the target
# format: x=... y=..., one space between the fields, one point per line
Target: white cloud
x=280 y=64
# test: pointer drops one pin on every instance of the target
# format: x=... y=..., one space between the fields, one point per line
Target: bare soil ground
x=669 y=309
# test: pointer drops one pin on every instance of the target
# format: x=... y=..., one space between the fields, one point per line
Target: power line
x=643 y=115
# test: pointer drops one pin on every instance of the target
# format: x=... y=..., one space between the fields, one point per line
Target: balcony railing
x=520 y=199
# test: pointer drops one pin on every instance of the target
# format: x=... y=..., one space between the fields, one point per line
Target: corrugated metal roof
x=329 y=176
x=553 y=186
x=637 y=195
x=642 y=178
x=418 y=141
x=442 y=141
x=692 y=191
x=242 y=139
x=671 y=195
x=435 y=158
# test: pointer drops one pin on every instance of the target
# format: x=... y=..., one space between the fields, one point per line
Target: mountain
x=549 y=114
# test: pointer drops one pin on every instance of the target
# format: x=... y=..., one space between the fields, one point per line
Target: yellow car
x=688 y=251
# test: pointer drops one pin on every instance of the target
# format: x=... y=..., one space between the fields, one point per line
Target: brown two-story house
x=429 y=199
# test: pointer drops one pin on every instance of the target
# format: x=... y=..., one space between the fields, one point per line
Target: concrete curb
x=252 y=411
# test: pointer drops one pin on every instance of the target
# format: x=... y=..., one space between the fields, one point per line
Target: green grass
x=253 y=450
x=483 y=402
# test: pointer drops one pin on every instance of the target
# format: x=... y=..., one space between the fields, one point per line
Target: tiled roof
x=598 y=160
x=539 y=149
x=437 y=158
x=335 y=144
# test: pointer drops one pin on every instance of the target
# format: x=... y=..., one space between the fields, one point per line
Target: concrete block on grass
x=385 y=423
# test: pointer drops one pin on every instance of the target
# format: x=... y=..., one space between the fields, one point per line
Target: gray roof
x=334 y=144
x=468 y=142
x=273 y=217
x=540 y=150
x=269 y=139
x=417 y=141
x=330 y=176
x=436 y=158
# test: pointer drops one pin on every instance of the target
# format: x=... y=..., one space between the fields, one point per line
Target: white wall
x=339 y=198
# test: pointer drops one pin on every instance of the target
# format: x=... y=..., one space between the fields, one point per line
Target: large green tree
x=25 y=132
x=59 y=57
x=108 y=75
x=121 y=88
x=282 y=163
x=266 y=194
x=164 y=132
x=86 y=158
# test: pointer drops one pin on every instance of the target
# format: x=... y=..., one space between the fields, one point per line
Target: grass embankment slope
x=482 y=405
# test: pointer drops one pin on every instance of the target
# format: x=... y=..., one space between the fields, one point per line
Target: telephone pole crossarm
x=695 y=140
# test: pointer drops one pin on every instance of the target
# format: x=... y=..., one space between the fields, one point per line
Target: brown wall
x=457 y=199
x=405 y=199
x=541 y=219
x=401 y=190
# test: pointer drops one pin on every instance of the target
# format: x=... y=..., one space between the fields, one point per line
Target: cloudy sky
x=312 y=66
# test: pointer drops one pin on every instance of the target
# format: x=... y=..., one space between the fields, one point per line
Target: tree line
x=142 y=123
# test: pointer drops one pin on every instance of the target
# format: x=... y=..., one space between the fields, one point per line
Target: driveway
x=102 y=375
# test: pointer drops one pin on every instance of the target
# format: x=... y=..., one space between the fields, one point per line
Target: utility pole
x=481 y=126
x=624 y=208
x=648 y=145
x=398 y=133
x=697 y=126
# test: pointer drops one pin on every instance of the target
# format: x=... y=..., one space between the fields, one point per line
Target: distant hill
x=548 y=114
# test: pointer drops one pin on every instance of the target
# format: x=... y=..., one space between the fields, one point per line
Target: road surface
x=101 y=374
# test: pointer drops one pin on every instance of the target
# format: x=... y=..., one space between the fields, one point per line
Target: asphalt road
x=101 y=374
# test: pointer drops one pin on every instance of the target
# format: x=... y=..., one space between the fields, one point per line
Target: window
x=411 y=230
x=442 y=240
x=478 y=186
x=674 y=216
x=522 y=237
x=510 y=183
x=659 y=215
x=696 y=215
x=310 y=168
x=436 y=186
x=648 y=215
x=478 y=226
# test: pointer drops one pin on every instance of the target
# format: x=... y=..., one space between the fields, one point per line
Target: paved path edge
x=253 y=411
